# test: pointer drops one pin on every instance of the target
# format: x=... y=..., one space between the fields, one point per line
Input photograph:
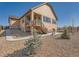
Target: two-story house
x=41 y=17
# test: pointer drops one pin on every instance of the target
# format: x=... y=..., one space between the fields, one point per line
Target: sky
x=65 y=11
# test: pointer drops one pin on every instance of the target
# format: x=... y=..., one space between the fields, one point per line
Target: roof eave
x=25 y=13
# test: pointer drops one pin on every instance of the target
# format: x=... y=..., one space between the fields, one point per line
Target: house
x=41 y=17
x=14 y=22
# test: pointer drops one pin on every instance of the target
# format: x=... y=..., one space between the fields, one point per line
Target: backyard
x=50 y=47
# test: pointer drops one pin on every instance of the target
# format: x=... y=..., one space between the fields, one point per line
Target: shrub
x=33 y=44
x=65 y=34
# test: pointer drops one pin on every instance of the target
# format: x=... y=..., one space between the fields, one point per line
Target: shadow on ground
x=19 y=53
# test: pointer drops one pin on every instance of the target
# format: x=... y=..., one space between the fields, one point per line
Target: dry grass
x=59 y=47
x=49 y=47
x=8 y=47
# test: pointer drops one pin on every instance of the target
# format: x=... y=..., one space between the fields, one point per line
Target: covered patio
x=34 y=20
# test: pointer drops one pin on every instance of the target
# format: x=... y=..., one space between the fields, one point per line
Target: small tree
x=65 y=34
x=33 y=44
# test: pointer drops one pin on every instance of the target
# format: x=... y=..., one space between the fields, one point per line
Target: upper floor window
x=53 y=21
x=46 y=19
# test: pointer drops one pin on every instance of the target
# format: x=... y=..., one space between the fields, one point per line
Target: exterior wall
x=14 y=23
x=22 y=23
x=50 y=27
x=27 y=22
x=45 y=10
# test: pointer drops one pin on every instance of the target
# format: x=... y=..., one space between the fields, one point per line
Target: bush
x=33 y=44
x=65 y=34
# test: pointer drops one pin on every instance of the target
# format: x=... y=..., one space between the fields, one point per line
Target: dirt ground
x=59 y=47
x=50 y=47
x=9 y=47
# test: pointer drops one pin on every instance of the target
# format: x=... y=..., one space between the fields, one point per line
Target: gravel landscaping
x=50 y=47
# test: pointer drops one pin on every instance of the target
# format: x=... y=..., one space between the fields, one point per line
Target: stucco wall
x=14 y=23
x=22 y=24
x=45 y=10
x=50 y=26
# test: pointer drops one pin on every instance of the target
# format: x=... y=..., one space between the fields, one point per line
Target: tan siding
x=50 y=26
x=22 y=23
x=45 y=11
x=14 y=23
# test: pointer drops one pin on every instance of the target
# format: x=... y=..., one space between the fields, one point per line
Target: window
x=53 y=21
x=46 y=19
x=22 y=21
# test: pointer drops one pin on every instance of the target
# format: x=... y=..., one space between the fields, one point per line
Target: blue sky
x=65 y=11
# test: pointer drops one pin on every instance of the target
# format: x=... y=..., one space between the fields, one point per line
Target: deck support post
x=32 y=18
x=24 y=24
x=42 y=19
x=51 y=20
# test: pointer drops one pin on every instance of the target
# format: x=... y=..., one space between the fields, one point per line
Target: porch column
x=51 y=20
x=32 y=18
x=42 y=19
x=24 y=23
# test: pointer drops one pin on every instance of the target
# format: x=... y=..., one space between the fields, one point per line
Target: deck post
x=51 y=20
x=32 y=18
x=24 y=24
x=42 y=18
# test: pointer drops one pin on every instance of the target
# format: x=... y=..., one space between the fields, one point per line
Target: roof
x=48 y=5
x=14 y=17
x=40 y=6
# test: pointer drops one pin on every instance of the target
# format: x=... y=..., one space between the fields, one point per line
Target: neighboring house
x=42 y=18
x=14 y=22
